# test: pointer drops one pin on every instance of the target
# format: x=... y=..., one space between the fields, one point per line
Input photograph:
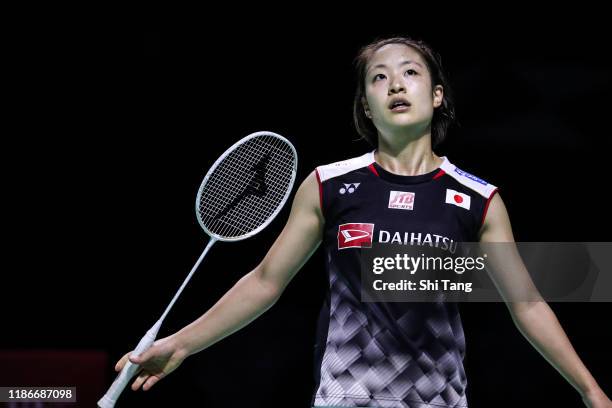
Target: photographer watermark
x=487 y=272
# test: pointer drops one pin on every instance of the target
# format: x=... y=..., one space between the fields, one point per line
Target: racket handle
x=129 y=369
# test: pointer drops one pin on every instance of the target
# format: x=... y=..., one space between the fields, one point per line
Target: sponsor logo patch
x=355 y=235
x=402 y=200
x=470 y=176
x=348 y=188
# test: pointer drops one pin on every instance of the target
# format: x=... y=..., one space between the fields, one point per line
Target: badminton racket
x=240 y=195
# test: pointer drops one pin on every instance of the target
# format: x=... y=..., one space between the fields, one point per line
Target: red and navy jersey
x=391 y=354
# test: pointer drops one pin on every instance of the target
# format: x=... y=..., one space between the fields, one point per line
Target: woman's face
x=398 y=91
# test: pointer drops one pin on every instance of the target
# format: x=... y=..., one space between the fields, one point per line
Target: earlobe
x=438 y=96
x=366 y=109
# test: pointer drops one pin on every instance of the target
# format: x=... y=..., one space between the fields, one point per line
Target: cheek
x=422 y=89
x=427 y=99
x=373 y=101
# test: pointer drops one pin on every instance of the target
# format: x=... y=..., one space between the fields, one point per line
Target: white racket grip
x=129 y=369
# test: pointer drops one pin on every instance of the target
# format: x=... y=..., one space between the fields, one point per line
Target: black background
x=118 y=132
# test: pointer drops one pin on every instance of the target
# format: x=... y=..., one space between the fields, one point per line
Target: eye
x=411 y=72
x=378 y=77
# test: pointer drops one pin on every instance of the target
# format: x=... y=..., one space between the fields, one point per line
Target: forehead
x=394 y=54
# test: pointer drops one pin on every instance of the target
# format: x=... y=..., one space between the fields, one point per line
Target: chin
x=404 y=123
x=407 y=127
x=408 y=121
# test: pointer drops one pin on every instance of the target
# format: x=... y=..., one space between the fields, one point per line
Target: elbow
x=527 y=311
x=520 y=308
x=269 y=289
x=525 y=303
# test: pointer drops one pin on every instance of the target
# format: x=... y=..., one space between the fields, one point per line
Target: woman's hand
x=596 y=399
x=161 y=359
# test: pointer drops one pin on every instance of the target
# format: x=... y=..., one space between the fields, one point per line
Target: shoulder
x=339 y=168
x=496 y=226
x=468 y=180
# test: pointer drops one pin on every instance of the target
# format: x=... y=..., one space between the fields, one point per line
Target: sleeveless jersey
x=391 y=354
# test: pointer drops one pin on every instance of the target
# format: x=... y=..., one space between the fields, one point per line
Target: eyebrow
x=407 y=62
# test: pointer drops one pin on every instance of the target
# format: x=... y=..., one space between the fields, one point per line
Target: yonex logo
x=470 y=176
x=350 y=188
x=355 y=235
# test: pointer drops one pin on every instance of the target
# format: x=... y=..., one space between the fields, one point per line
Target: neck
x=407 y=157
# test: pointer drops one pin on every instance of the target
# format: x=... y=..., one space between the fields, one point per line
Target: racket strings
x=234 y=201
x=242 y=220
x=229 y=175
x=258 y=212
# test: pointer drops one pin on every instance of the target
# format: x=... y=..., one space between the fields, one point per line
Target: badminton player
x=381 y=354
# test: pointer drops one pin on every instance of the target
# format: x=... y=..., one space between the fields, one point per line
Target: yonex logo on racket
x=355 y=235
x=348 y=188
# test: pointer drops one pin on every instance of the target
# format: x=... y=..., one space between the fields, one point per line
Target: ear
x=366 y=107
x=438 y=95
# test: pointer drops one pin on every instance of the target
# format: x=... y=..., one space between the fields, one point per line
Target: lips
x=399 y=105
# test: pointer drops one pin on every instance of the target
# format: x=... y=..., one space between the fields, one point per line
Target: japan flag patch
x=458 y=199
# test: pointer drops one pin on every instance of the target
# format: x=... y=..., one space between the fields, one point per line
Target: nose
x=396 y=86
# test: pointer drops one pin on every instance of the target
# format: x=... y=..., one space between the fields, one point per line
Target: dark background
x=119 y=131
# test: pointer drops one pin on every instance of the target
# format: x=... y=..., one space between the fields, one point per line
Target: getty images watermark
x=488 y=272
x=411 y=264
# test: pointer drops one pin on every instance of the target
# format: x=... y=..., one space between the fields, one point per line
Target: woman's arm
x=259 y=289
x=251 y=296
x=534 y=318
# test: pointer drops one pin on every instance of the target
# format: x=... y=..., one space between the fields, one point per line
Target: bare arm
x=251 y=296
x=535 y=319
x=258 y=290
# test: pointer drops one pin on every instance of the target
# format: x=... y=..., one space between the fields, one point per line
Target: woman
x=382 y=354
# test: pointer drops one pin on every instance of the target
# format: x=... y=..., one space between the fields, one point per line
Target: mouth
x=399 y=105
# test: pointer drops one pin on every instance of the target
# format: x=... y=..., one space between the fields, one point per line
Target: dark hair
x=443 y=116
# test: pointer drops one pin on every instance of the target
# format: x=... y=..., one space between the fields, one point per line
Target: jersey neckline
x=401 y=179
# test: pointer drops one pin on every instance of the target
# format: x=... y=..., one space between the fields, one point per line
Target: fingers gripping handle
x=129 y=369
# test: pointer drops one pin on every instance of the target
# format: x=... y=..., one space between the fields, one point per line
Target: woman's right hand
x=163 y=357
